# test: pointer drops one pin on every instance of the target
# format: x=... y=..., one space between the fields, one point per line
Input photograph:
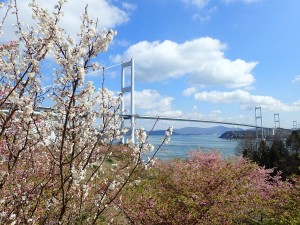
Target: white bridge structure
x=132 y=116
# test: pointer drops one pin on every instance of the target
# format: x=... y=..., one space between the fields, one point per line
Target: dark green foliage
x=277 y=153
x=293 y=142
x=265 y=159
x=246 y=147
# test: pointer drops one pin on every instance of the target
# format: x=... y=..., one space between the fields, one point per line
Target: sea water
x=180 y=145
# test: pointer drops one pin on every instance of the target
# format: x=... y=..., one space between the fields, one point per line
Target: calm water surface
x=180 y=145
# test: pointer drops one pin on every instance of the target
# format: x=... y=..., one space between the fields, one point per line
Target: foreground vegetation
x=206 y=189
x=56 y=165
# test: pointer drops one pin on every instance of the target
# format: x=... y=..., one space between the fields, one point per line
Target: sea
x=180 y=145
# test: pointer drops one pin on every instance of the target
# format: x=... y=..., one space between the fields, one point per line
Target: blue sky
x=205 y=59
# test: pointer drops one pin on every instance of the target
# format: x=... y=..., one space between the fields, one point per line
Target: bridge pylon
x=276 y=122
x=258 y=123
x=295 y=125
x=128 y=89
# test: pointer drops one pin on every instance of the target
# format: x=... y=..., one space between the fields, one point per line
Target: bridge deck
x=127 y=116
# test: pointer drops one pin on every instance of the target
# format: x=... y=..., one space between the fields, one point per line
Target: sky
x=200 y=59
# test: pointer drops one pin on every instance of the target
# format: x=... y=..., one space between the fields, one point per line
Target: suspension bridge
x=132 y=116
x=260 y=129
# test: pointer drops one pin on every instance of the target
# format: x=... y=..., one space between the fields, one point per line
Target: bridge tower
x=258 y=121
x=128 y=89
x=295 y=125
x=276 y=120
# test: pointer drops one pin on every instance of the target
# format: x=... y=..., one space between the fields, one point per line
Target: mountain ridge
x=197 y=130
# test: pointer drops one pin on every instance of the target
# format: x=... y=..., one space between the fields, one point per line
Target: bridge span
x=132 y=115
x=126 y=116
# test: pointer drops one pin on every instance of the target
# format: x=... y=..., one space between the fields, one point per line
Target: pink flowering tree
x=206 y=189
x=59 y=166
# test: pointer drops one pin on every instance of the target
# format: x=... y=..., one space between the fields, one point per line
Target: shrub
x=205 y=189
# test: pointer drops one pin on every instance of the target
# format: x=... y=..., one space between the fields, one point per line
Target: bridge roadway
x=127 y=116
x=137 y=116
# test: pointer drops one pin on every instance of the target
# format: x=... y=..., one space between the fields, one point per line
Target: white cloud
x=151 y=102
x=128 y=6
x=217 y=111
x=296 y=79
x=205 y=15
x=189 y=91
x=297 y=103
x=198 y=3
x=246 y=100
x=202 y=60
x=214 y=115
x=109 y=15
x=165 y=113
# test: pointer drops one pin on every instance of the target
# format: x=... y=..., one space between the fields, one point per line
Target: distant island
x=222 y=131
x=251 y=134
x=217 y=130
x=242 y=134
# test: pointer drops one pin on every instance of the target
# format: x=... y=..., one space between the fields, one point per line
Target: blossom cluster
x=208 y=189
x=59 y=165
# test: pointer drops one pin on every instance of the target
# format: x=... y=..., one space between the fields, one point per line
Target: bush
x=206 y=189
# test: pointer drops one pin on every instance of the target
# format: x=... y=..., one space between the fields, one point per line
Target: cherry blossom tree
x=206 y=189
x=59 y=166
